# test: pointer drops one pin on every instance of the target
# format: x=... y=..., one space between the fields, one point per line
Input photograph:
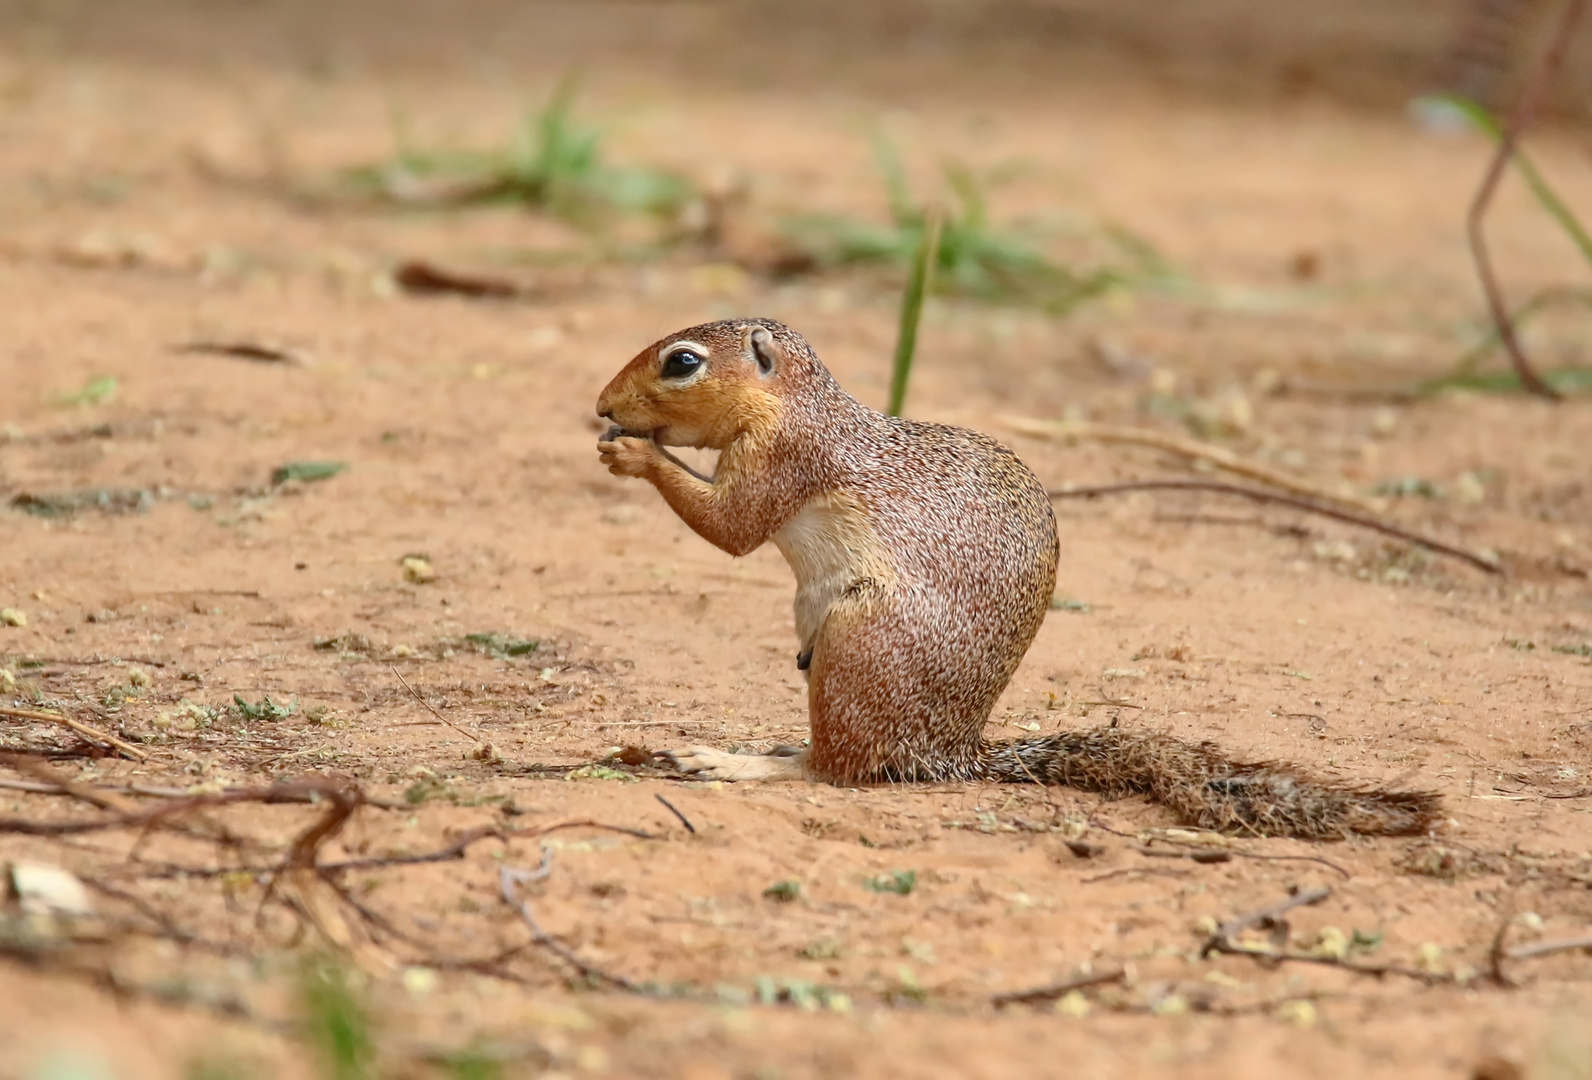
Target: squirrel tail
x=1209 y=789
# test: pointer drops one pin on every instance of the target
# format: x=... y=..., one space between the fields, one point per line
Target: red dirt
x=140 y=212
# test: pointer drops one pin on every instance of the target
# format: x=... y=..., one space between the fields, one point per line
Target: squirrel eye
x=680 y=363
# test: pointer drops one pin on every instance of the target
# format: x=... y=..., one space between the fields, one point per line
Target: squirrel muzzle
x=704 y=392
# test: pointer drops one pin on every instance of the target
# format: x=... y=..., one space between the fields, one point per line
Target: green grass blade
x=895 y=182
x=975 y=207
x=1567 y=381
x=1488 y=124
x=336 y=1020
x=918 y=282
x=1551 y=297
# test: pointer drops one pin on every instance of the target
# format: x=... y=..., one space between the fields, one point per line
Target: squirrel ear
x=762 y=344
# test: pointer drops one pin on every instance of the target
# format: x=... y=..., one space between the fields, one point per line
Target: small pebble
x=13 y=617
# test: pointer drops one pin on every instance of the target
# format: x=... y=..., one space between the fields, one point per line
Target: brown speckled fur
x=925 y=557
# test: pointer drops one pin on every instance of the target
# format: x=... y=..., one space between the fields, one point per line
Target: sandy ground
x=147 y=205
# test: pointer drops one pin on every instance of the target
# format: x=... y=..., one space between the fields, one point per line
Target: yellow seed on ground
x=1299 y=1013
x=1073 y=1004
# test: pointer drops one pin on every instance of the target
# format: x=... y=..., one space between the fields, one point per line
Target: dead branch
x=428 y=279
x=126 y=749
x=344 y=799
x=669 y=806
x=1481 y=562
x=257 y=351
x=296 y=791
x=44 y=775
x=456 y=850
x=1294 y=858
x=147 y=661
x=1219 y=456
x=1224 y=941
x=1146 y=871
x=1216 y=855
x=165 y=926
x=508 y=879
x=1341 y=963
x=1054 y=991
x=156 y=791
x=429 y=709
x=318 y=901
x=1509 y=138
x=1498 y=952
x=1206 y=854
x=1543 y=948
x=1271 y=916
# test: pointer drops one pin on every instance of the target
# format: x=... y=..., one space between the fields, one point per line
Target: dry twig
x=1524 y=112
x=296 y=791
x=1266 y=916
x=428 y=279
x=1054 y=991
x=430 y=710
x=1219 y=456
x=508 y=879
x=126 y=749
x=669 y=806
x=44 y=775
x=1271 y=918
x=1144 y=871
x=1481 y=562
x=1233 y=851
x=1543 y=948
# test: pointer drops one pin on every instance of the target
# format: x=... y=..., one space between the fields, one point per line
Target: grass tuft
x=552 y=162
x=974 y=258
x=336 y=1021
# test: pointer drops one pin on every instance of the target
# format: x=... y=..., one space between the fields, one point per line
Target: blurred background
x=1377 y=54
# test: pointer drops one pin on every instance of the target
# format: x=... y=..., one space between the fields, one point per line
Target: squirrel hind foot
x=706 y=763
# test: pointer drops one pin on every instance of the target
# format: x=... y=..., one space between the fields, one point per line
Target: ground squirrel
x=925 y=558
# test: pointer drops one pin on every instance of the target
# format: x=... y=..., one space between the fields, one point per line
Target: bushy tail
x=1209 y=789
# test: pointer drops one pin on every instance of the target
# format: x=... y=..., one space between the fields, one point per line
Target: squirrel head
x=709 y=385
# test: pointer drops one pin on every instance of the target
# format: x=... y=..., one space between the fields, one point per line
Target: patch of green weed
x=975 y=258
x=783 y=891
x=501 y=646
x=336 y=1020
x=307 y=472
x=553 y=162
x=900 y=882
x=264 y=709
x=97 y=391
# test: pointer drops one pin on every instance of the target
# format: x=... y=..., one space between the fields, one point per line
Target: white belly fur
x=830 y=544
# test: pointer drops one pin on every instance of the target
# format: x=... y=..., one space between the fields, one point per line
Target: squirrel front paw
x=627 y=455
